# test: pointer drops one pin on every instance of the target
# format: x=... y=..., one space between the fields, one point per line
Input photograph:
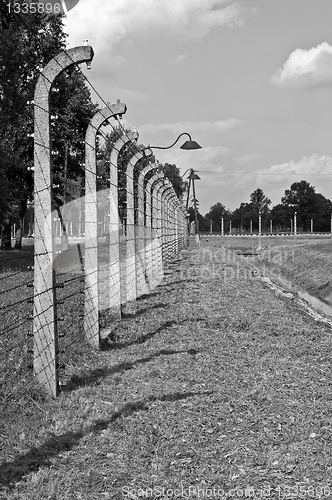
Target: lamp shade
x=193 y=176
x=190 y=145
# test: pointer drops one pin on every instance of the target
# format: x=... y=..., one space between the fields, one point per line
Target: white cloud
x=125 y=94
x=192 y=127
x=105 y=23
x=315 y=169
x=179 y=58
x=206 y=158
x=247 y=158
x=231 y=186
x=306 y=69
x=313 y=165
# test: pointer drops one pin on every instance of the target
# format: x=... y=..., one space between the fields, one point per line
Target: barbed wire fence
x=73 y=294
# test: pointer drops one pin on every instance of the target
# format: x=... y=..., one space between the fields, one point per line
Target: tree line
x=28 y=42
x=300 y=198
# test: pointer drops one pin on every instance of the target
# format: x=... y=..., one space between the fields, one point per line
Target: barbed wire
x=77 y=288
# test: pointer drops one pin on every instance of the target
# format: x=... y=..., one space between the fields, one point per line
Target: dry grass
x=213 y=381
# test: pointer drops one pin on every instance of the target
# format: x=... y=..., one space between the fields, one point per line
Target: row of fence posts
x=155 y=227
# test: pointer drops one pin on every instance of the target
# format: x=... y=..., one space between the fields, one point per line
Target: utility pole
x=192 y=173
x=188 y=193
x=64 y=224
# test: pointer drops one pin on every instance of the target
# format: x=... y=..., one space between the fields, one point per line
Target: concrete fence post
x=162 y=217
x=172 y=202
x=143 y=229
x=168 y=222
x=117 y=264
x=157 y=267
x=45 y=361
x=92 y=271
x=151 y=239
x=131 y=233
x=166 y=219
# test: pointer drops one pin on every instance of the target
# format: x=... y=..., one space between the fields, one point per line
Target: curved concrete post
x=45 y=362
x=167 y=219
x=163 y=220
x=152 y=237
x=177 y=225
x=143 y=241
x=116 y=287
x=130 y=241
x=91 y=296
x=170 y=197
x=156 y=269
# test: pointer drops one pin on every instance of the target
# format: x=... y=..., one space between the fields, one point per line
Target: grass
x=213 y=381
x=307 y=262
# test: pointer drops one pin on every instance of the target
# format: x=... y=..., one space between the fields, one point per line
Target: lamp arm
x=168 y=147
x=185 y=172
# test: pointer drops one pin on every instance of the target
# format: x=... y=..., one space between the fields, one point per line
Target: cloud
x=313 y=165
x=179 y=58
x=231 y=186
x=105 y=23
x=205 y=160
x=247 y=158
x=192 y=127
x=306 y=69
x=128 y=94
x=315 y=169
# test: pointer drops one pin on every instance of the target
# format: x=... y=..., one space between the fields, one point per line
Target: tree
x=202 y=221
x=259 y=202
x=29 y=41
x=301 y=198
x=322 y=213
x=172 y=173
x=242 y=216
x=280 y=215
x=216 y=212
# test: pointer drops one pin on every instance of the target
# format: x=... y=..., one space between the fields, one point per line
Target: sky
x=250 y=81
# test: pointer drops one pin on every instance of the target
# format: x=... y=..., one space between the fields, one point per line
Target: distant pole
x=295 y=214
x=270 y=226
x=251 y=226
x=195 y=208
x=222 y=225
x=64 y=233
x=259 y=229
x=291 y=225
x=312 y=226
x=210 y=226
x=230 y=227
x=331 y=224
